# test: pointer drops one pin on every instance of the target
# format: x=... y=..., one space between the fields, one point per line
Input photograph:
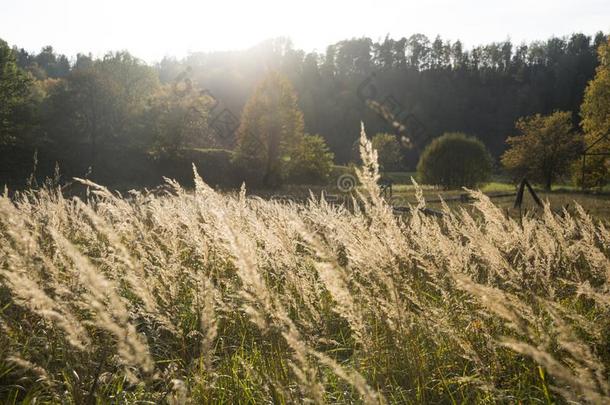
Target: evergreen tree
x=14 y=89
x=271 y=130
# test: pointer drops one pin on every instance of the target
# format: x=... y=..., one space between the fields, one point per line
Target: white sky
x=151 y=29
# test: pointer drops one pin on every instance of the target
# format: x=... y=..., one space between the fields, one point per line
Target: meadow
x=501 y=190
x=208 y=297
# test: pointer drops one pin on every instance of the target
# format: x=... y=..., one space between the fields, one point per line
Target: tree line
x=96 y=106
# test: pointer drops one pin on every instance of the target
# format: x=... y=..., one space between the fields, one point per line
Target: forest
x=127 y=123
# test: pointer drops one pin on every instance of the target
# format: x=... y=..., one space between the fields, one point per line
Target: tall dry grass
x=202 y=297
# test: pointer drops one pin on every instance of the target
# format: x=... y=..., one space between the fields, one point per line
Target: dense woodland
x=121 y=116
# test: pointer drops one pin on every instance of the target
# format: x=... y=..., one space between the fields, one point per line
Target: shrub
x=312 y=162
x=455 y=160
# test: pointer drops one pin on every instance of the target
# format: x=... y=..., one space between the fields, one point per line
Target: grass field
x=595 y=204
x=563 y=195
x=208 y=297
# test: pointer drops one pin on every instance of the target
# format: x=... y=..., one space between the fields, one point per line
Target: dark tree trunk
x=271 y=177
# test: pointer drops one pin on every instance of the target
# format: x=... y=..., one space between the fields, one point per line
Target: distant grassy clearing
x=403 y=193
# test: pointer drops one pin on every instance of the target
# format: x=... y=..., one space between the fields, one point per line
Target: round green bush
x=455 y=160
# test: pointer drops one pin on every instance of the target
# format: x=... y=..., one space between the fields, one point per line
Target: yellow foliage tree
x=544 y=149
x=595 y=114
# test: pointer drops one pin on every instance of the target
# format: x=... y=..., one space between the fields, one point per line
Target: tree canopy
x=14 y=89
x=271 y=130
x=595 y=113
x=544 y=149
x=421 y=88
x=388 y=151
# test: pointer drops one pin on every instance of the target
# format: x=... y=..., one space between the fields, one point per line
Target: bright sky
x=151 y=29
